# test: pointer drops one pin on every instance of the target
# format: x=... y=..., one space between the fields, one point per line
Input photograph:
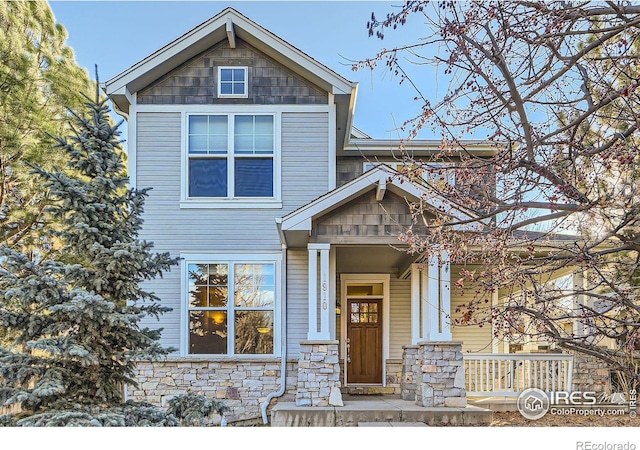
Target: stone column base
x=319 y=374
x=440 y=375
x=410 y=367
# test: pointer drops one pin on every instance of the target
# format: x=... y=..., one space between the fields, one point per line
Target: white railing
x=507 y=375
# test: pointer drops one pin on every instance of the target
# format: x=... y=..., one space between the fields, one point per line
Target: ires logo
x=560 y=398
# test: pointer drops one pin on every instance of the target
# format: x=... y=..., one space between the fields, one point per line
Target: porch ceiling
x=372 y=259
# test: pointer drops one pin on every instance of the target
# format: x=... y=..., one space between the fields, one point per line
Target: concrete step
x=353 y=413
x=392 y=424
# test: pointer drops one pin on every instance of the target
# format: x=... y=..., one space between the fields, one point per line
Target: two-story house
x=291 y=284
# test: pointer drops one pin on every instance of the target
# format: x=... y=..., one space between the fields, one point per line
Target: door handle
x=348 y=352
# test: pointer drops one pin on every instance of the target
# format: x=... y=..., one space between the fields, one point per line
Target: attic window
x=232 y=82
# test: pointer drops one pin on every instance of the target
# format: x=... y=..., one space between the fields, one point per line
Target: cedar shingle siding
x=366 y=216
x=195 y=82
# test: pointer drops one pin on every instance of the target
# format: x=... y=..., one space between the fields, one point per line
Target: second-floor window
x=231 y=156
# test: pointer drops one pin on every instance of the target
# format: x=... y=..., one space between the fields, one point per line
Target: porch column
x=431 y=300
x=579 y=285
x=319 y=303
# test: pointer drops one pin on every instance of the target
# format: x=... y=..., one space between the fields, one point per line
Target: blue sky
x=117 y=34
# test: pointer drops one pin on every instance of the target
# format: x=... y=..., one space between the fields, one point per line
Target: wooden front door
x=364 y=341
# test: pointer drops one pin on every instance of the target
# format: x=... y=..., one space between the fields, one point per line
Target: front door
x=364 y=341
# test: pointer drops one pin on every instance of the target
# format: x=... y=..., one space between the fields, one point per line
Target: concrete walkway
x=374 y=409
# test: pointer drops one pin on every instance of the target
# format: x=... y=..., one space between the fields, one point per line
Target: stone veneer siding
x=411 y=367
x=318 y=372
x=441 y=381
x=242 y=384
x=590 y=374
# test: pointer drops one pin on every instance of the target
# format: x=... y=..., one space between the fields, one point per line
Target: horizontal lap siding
x=304 y=177
x=399 y=316
x=305 y=158
x=158 y=167
x=474 y=338
x=297 y=305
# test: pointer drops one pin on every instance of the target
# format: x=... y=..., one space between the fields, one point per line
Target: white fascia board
x=255 y=34
x=377 y=146
x=167 y=52
x=301 y=219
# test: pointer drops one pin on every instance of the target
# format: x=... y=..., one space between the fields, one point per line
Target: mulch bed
x=515 y=419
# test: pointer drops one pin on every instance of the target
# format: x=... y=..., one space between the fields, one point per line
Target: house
x=291 y=284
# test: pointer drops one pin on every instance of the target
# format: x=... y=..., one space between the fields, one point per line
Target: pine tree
x=74 y=321
x=39 y=80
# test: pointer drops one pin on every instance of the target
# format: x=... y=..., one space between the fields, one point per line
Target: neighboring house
x=290 y=283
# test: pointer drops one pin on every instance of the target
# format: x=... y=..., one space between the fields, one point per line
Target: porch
x=372 y=317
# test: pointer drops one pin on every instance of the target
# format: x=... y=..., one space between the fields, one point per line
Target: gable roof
x=225 y=25
x=296 y=226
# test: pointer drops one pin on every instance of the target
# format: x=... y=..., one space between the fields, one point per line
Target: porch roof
x=296 y=227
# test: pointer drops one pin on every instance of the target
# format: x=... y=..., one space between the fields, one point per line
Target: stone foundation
x=318 y=381
x=242 y=384
x=440 y=377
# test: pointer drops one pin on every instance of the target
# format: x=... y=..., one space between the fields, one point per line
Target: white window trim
x=236 y=258
x=274 y=202
x=246 y=82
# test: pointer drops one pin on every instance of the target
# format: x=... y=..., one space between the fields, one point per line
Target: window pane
x=207 y=178
x=198 y=144
x=218 y=274
x=264 y=124
x=264 y=144
x=197 y=280
x=243 y=144
x=198 y=125
x=198 y=296
x=359 y=290
x=217 y=144
x=254 y=332
x=208 y=134
x=254 y=177
x=254 y=285
x=218 y=125
x=238 y=88
x=225 y=88
x=207 y=332
x=198 y=274
x=226 y=74
x=238 y=74
x=218 y=296
x=244 y=125
x=252 y=274
x=255 y=297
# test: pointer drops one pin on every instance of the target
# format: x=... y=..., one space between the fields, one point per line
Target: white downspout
x=283 y=340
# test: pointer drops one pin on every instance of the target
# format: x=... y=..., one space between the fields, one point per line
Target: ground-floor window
x=231 y=306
